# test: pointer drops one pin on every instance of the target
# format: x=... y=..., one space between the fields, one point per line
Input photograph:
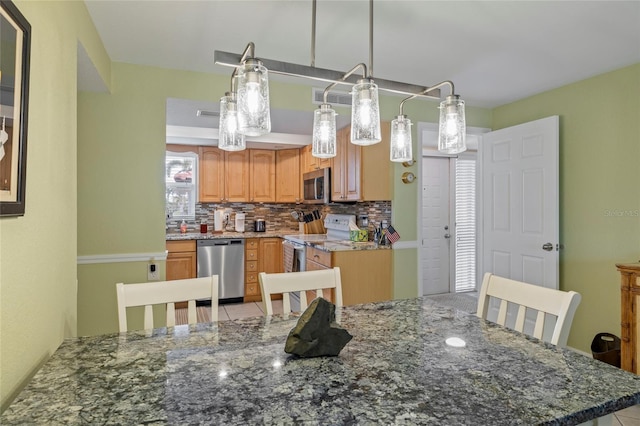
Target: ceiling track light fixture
x=253 y=112
x=324 y=121
x=229 y=136
x=451 y=131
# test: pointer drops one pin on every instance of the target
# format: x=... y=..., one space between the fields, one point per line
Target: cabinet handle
x=315 y=256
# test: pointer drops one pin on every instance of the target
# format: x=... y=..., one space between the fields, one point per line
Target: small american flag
x=392 y=234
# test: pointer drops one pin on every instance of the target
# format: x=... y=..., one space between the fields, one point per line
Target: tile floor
x=233 y=311
x=626 y=417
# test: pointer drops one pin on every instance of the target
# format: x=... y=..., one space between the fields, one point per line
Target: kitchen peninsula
x=398 y=369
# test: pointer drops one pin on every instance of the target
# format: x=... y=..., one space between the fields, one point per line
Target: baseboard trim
x=120 y=258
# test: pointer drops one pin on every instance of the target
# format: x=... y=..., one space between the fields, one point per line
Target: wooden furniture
x=630 y=330
x=251 y=285
x=302 y=282
x=262 y=176
x=181 y=262
x=366 y=274
x=181 y=259
x=309 y=163
x=361 y=173
x=288 y=176
x=561 y=304
x=166 y=292
x=260 y=255
x=224 y=175
x=396 y=369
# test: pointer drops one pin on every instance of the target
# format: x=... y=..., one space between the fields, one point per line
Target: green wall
x=599 y=195
x=38 y=250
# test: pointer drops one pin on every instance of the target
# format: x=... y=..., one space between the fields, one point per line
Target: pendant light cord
x=427 y=90
x=370 y=75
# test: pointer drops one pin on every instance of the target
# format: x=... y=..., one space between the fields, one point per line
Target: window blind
x=465 y=249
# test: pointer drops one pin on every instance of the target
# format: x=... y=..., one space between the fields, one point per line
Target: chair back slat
x=560 y=304
x=286 y=283
x=167 y=293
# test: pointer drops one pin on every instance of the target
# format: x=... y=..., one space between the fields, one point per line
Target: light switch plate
x=152 y=272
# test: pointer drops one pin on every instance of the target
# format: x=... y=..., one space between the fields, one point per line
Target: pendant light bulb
x=229 y=138
x=401 y=149
x=452 y=128
x=324 y=132
x=365 y=113
x=254 y=116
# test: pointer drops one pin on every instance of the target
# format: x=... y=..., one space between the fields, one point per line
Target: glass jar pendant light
x=401 y=149
x=365 y=113
x=324 y=132
x=229 y=138
x=452 y=128
x=254 y=117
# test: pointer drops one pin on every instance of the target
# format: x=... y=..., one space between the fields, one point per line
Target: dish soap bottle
x=183 y=227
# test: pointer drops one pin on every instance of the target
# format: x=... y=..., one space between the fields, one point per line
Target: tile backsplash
x=278 y=216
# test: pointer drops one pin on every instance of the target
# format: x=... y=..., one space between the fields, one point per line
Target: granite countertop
x=396 y=370
x=226 y=234
x=318 y=241
x=324 y=243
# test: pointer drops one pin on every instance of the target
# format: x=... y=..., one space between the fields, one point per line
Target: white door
x=435 y=226
x=520 y=202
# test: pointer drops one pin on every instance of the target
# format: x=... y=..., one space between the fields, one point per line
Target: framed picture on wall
x=15 y=39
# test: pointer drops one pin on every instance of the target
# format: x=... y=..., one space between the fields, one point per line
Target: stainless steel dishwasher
x=223 y=257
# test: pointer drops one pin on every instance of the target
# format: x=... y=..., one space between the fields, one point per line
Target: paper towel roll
x=218 y=218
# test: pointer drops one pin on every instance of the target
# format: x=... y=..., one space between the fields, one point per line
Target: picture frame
x=15 y=32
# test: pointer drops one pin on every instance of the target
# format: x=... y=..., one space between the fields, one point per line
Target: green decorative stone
x=317 y=333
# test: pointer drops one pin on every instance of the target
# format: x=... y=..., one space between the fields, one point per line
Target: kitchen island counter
x=398 y=369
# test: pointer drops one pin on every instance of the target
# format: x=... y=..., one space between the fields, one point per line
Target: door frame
x=429 y=147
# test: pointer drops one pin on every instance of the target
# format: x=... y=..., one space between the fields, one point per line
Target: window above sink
x=181 y=185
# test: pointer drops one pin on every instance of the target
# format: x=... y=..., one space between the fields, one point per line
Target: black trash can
x=605 y=347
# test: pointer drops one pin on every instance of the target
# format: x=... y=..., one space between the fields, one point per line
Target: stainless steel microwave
x=316 y=186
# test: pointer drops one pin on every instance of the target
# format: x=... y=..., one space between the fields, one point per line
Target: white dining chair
x=561 y=304
x=167 y=292
x=288 y=282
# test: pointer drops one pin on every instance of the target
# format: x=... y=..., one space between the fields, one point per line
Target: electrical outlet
x=152 y=272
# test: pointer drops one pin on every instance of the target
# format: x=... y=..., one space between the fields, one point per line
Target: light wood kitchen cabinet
x=345 y=169
x=260 y=255
x=365 y=274
x=224 y=176
x=181 y=262
x=288 y=176
x=270 y=255
x=262 y=176
x=251 y=284
x=211 y=174
x=630 y=300
x=361 y=173
x=310 y=163
x=236 y=175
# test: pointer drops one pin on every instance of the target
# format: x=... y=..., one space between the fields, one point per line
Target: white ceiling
x=495 y=52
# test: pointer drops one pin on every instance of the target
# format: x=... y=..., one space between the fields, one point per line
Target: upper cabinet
x=224 y=176
x=310 y=163
x=361 y=173
x=238 y=176
x=262 y=176
x=288 y=176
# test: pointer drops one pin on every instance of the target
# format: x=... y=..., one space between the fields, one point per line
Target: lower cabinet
x=181 y=262
x=365 y=274
x=261 y=255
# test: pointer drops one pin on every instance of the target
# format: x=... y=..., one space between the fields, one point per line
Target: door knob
x=447 y=235
x=547 y=247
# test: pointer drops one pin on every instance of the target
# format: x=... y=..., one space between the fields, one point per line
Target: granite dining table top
x=397 y=369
